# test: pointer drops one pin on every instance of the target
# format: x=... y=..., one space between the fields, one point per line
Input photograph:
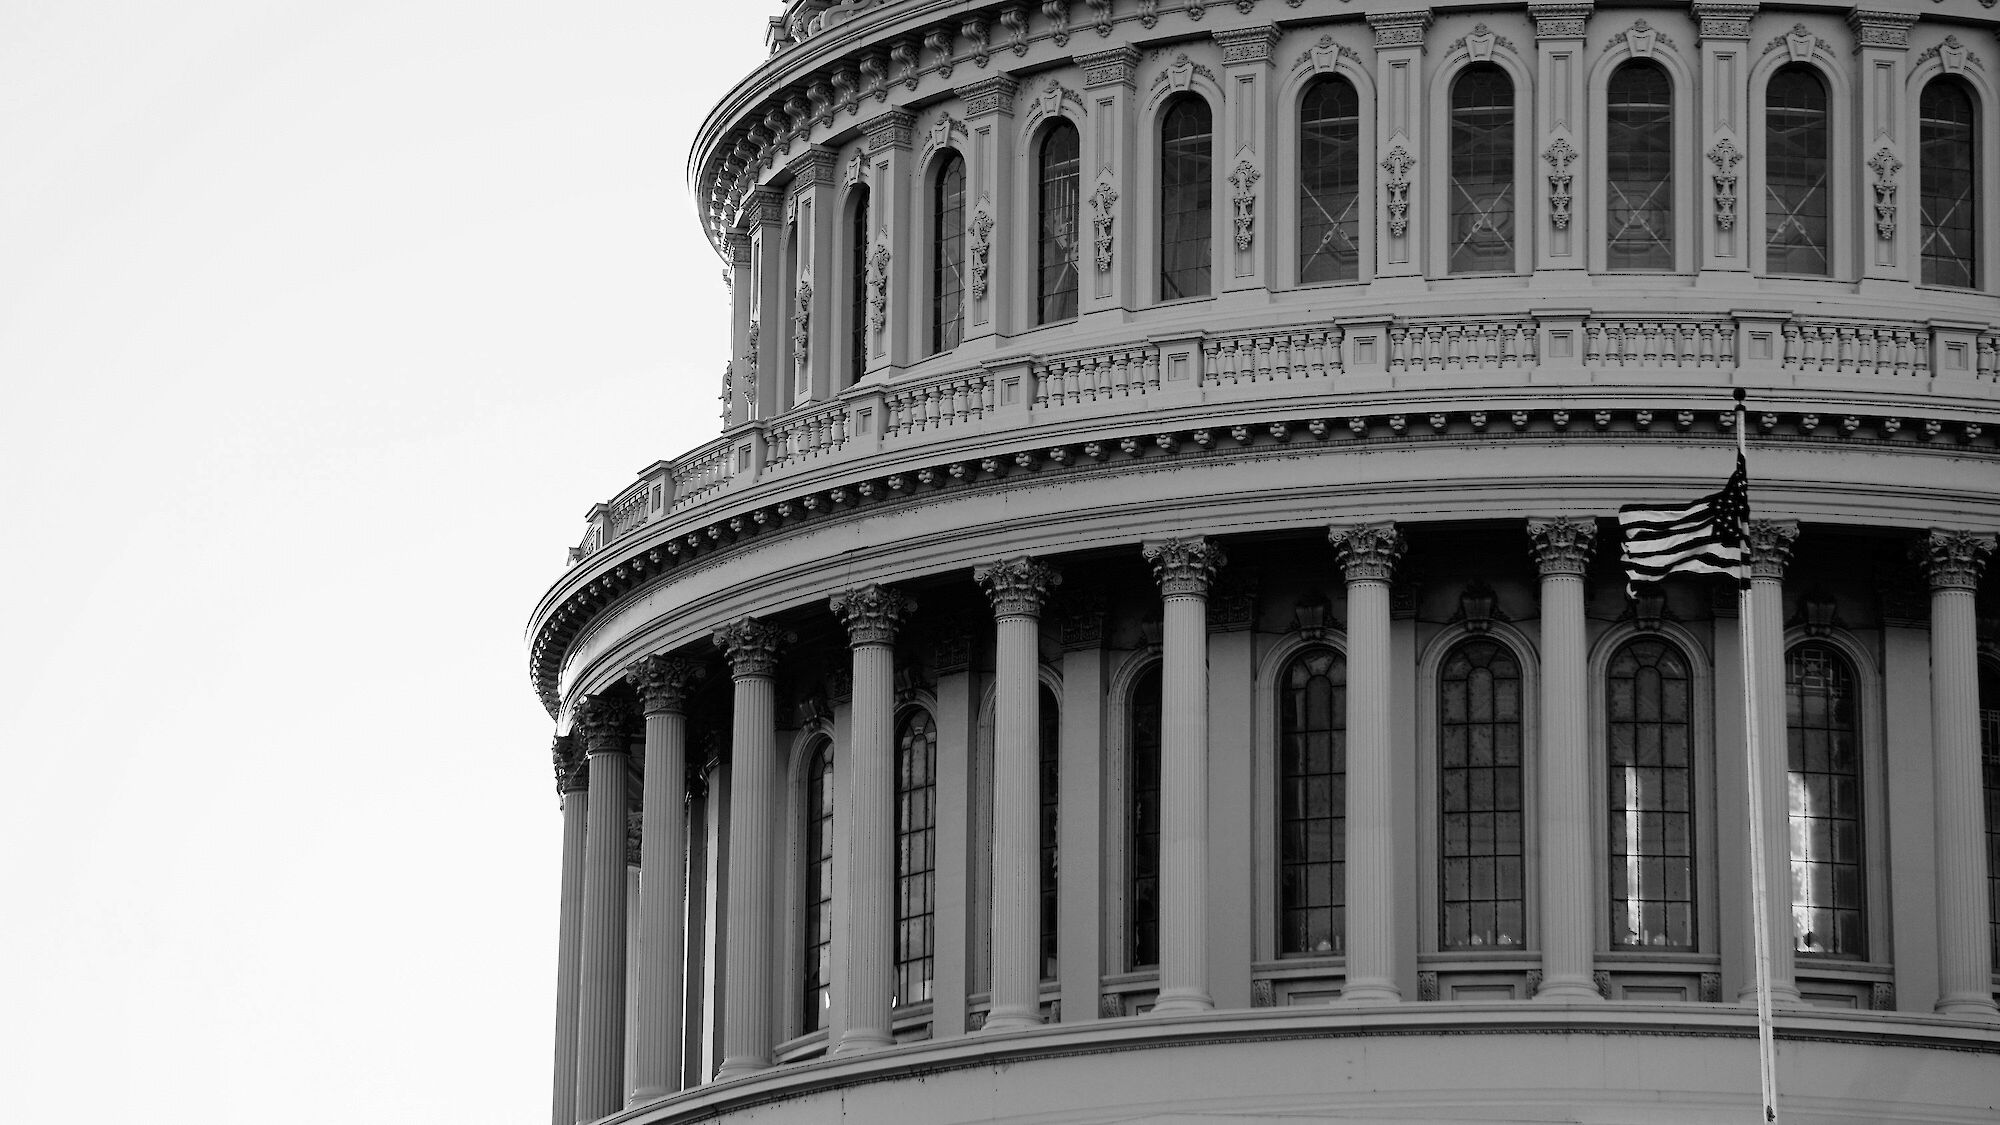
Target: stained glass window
x=1824 y=784
x=1481 y=884
x=1650 y=782
x=1482 y=171
x=1639 y=168
x=1312 y=805
x=1186 y=190
x=916 y=860
x=1062 y=162
x=1949 y=152
x=948 y=254
x=1329 y=182
x=1796 y=138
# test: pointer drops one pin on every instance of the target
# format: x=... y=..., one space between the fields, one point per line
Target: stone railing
x=1271 y=357
x=1106 y=373
x=1680 y=342
x=1851 y=348
x=948 y=400
x=1462 y=345
x=806 y=434
x=701 y=472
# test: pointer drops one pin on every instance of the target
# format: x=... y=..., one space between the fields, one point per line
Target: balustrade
x=1108 y=373
x=1660 y=343
x=702 y=472
x=805 y=435
x=1848 y=348
x=954 y=399
x=1459 y=345
x=1266 y=357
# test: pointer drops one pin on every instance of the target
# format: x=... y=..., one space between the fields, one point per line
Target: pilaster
x=989 y=168
x=895 y=247
x=1367 y=555
x=1562 y=209
x=740 y=403
x=1109 y=136
x=1724 y=214
x=1888 y=163
x=1245 y=154
x=1399 y=131
x=816 y=318
x=769 y=328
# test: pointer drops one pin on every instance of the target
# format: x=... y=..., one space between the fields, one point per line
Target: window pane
x=1650 y=815
x=916 y=824
x=1827 y=889
x=1481 y=875
x=1482 y=171
x=1051 y=780
x=1329 y=182
x=857 y=284
x=1639 y=168
x=1795 y=173
x=1061 y=167
x=1142 y=825
x=1948 y=153
x=1312 y=827
x=1186 y=145
x=818 y=913
x=1989 y=757
x=948 y=255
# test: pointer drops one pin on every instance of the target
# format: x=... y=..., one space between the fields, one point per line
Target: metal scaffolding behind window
x=1650 y=759
x=916 y=858
x=1062 y=163
x=857 y=281
x=1329 y=182
x=818 y=854
x=1796 y=139
x=1482 y=171
x=1312 y=805
x=1989 y=761
x=1186 y=187
x=1142 y=825
x=1639 y=168
x=1948 y=200
x=1051 y=783
x=1824 y=783
x=948 y=254
x=1481 y=884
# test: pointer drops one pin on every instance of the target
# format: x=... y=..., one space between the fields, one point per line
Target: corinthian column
x=1770 y=544
x=663 y=686
x=1562 y=550
x=1953 y=560
x=1018 y=588
x=600 y=1030
x=752 y=650
x=1184 y=568
x=872 y=614
x=572 y=783
x=1368 y=554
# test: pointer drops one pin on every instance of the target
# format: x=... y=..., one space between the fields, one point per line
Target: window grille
x=948 y=255
x=1796 y=139
x=1650 y=782
x=1482 y=171
x=1948 y=198
x=1142 y=825
x=1482 y=889
x=916 y=860
x=1639 y=168
x=1989 y=758
x=1312 y=805
x=1329 y=182
x=1062 y=162
x=1051 y=782
x=1186 y=189
x=1824 y=788
x=857 y=283
x=818 y=855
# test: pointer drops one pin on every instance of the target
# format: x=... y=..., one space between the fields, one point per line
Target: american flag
x=1705 y=537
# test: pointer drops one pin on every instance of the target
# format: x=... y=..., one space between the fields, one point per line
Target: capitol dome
x=1149 y=643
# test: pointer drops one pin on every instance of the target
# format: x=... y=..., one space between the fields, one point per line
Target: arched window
x=1482 y=171
x=1823 y=750
x=1062 y=162
x=1051 y=782
x=916 y=853
x=1480 y=880
x=1142 y=825
x=1312 y=804
x=1639 y=168
x=857 y=279
x=817 y=880
x=1796 y=139
x=1186 y=182
x=1329 y=182
x=1650 y=782
x=1948 y=147
x=1989 y=759
x=948 y=254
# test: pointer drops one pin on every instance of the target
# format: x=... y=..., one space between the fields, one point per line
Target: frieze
x=1247 y=45
x=1109 y=68
x=1640 y=39
x=1400 y=29
x=1325 y=54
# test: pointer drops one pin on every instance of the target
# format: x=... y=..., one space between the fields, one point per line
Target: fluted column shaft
x=1568 y=938
x=1965 y=960
x=1184 y=568
x=752 y=650
x=1017 y=588
x=872 y=614
x=656 y=1069
x=1368 y=555
x=572 y=782
x=600 y=1029
x=1770 y=545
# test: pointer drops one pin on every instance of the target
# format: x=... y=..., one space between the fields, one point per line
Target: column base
x=1370 y=992
x=647 y=1094
x=1182 y=1001
x=739 y=1068
x=1782 y=996
x=1012 y=1017
x=1973 y=1006
x=858 y=1042
x=1569 y=990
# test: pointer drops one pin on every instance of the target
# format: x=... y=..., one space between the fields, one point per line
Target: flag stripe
x=1705 y=537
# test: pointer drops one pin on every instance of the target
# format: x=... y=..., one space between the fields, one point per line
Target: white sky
x=321 y=326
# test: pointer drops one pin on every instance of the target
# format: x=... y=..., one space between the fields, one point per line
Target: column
x=1560 y=215
x=751 y=647
x=1368 y=554
x=989 y=172
x=1770 y=546
x=1018 y=587
x=1723 y=215
x=600 y=1028
x=1184 y=569
x=1562 y=551
x=1080 y=807
x=1399 y=131
x=872 y=615
x=1245 y=251
x=572 y=783
x=663 y=684
x=1953 y=560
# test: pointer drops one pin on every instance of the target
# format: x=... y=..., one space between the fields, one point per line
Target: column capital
x=813 y=168
x=1184 y=567
x=1563 y=544
x=1109 y=68
x=572 y=767
x=1247 y=44
x=1881 y=29
x=1018 y=587
x=1563 y=19
x=603 y=723
x=751 y=647
x=663 y=682
x=1953 y=557
x=1724 y=21
x=765 y=206
x=1770 y=547
x=989 y=96
x=1400 y=29
x=872 y=613
x=889 y=130
x=1368 y=552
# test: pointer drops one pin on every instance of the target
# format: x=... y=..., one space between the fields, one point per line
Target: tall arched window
x=857 y=284
x=1823 y=750
x=1312 y=804
x=1796 y=140
x=1639 y=168
x=1948 y=202
x=1989 y=759
x=1056 y=280
x=1482 y=171
x=1481 y=885
x=1051 y=786
x=1186 y=184
x=1142 y=824
x=817 y=879
x=1650 y=781
x=916 y=853
x=948 y=254
x=1329 y=182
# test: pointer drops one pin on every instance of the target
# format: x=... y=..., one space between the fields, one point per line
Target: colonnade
x=592 y=1002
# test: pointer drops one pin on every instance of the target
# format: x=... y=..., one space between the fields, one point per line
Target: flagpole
x=1760 y=898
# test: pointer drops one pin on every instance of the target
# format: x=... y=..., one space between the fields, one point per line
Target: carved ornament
x=1559 y=155
x=1050 y=101
x=604 y=725
x=1397 y=199
x=1881 y=29
x=1480 y=43
x=989 y=96
x=1149 y=13
x=572 y=767
x=889 y=130
x=1367 y=552
x=874 y=77
x=1563 y=545
x=878 y=285
x=982 y=245
x=1101 y=202
x=1247 y=45
x=635 y=836
x=1951 y=55
x=1083 y=617
x=1799 y=43
x=1400 y=29
x=974 y=28
x=1640 y=39
x=938 y=41
x=1885 y=166
x=1016 y=22
x=939 y=136
x=1724 y=21
x=1179 y=74
x=1109 y=68
x=1325 y=55
x=872 y=613
x=1244 y=179
x=1952 y=558
x=1725 y=157
x=904 y=55
x=802 y=323
x=1018 y=587
x=1560 y=21
x=663 y=682
x=1057 y=13
x=1770 y=547
x=1184 y=568
x=751 y=647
